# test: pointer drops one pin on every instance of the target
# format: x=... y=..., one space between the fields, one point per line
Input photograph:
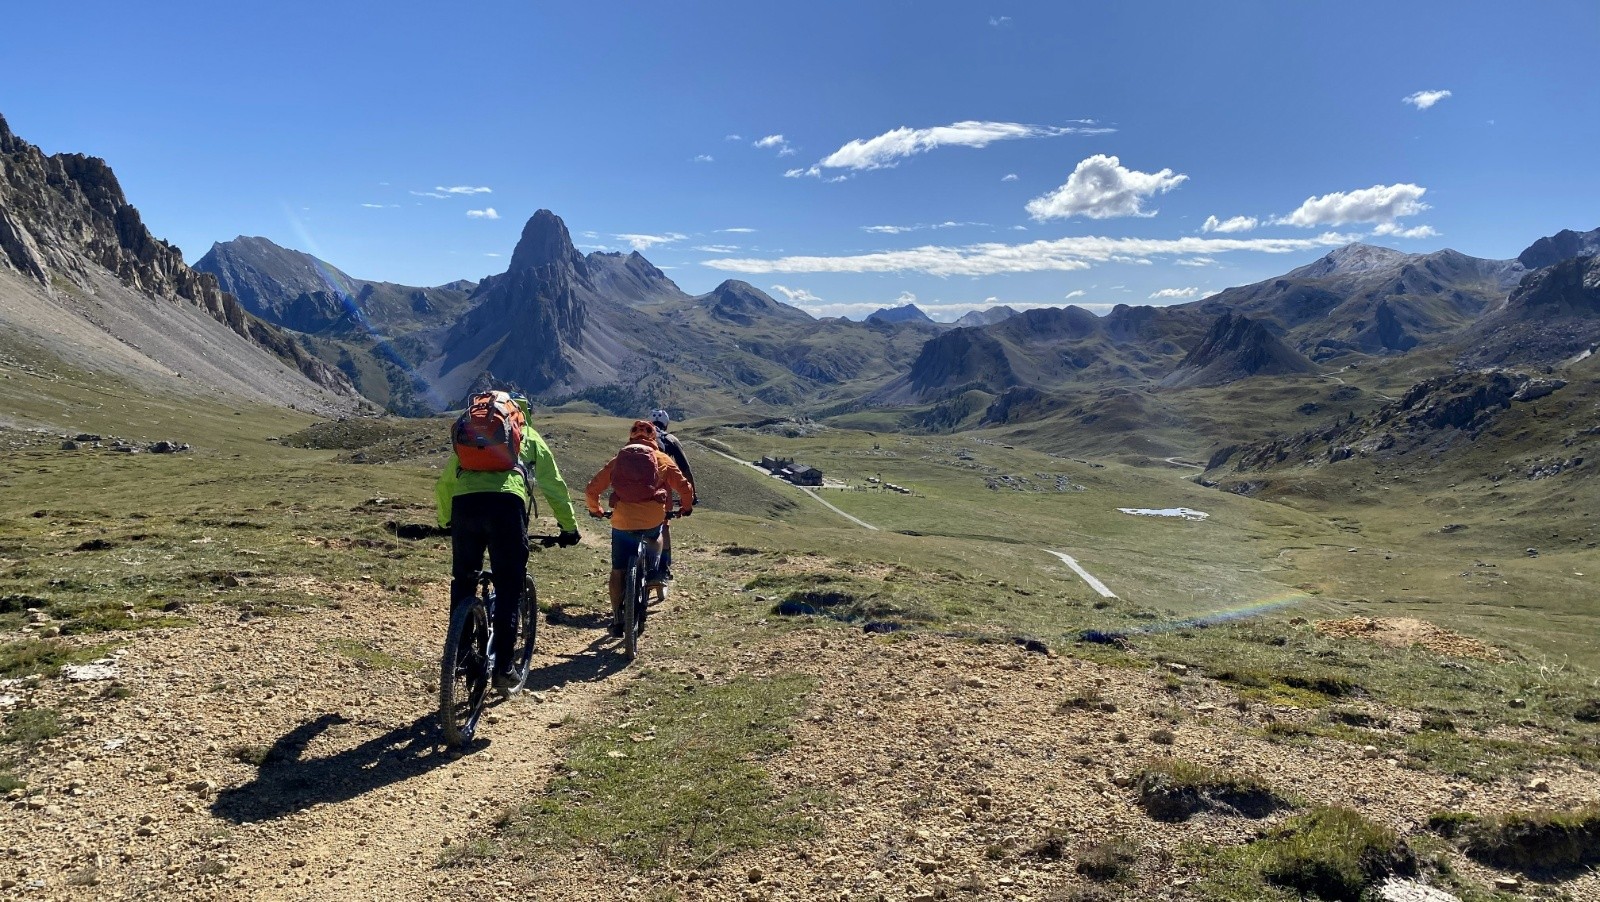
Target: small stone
x=1519 y=703
x=1179 y=669
x=1370 y=752
x=1205 y=708
x=1122 y=780
x=297 y=862
x=144 y=831
x=1507 y=883
x=755 y=875
x=1539 y=785
x=200 y=787
x=927 y=865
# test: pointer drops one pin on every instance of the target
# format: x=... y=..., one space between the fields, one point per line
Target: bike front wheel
x=464 y=673
x=633 y=602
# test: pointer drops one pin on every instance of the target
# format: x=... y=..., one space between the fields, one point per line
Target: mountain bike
x=467 y=666
x=636 y=596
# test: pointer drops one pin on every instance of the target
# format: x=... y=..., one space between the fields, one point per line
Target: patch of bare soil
x=1408 y=632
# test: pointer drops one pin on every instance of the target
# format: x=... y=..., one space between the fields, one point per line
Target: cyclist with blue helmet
x=674 y=449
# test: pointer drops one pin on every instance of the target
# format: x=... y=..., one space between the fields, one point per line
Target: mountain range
x=614 y=332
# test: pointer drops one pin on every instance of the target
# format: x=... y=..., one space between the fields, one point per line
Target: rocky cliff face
x=1553 y=316
x=64 y=214
x=905 y=313
x=1563 y=245
x=1236 y=347
x=630 y=279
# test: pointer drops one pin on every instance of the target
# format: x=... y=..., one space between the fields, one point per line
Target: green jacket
x=541 y=463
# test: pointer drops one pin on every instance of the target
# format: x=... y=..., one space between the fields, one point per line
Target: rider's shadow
x=593 y=664
x=285 y=783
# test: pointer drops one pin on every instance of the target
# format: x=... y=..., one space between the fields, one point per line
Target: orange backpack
x=488 y=434
x=635 y=477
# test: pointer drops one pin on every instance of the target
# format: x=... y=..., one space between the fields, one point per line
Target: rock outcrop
x=1237 y=347
x=64 y=215
x=1552 y=317
x=1563 y=245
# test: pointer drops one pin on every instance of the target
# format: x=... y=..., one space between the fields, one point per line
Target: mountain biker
x=639 y=478
x=488 y=509
x=674 y=448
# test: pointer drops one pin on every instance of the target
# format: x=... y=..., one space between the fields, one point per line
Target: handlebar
x=544 y=541
x=671 y=515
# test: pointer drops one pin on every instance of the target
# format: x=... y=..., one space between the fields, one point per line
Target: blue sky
x=1028 y=153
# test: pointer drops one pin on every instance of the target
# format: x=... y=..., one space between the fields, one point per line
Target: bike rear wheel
x=464 y=672
x=633 y=602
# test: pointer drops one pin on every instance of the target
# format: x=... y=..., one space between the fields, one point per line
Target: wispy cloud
x=1076 y=293
x=1055 y=255
x=736 y=231
x=379 y=206
x=1229 y=225
x=463 y=189
x=1100 y=188
x=1170 y=294
x=999 y=21
x=491 y=254
x=485 y=213
x=1009 y=177
x=1378 y=204
x=733 y=137
x=1398 y=231
x=717 y=248
x=704 y=158
x=897 y=230
x=774 y=141
x=1424 y=99
x=431 y=194
x=797 y=296
x=888 y=149
x=645 y=242
x=1196 y=261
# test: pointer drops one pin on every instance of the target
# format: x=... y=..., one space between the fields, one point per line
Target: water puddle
x=1181 y=512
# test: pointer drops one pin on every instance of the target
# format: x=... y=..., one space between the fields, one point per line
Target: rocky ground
x=945 y=769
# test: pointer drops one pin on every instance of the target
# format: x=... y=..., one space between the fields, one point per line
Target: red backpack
x=488 y=434
x=634 y=476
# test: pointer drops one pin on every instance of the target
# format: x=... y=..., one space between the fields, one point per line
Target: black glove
x=568 y=538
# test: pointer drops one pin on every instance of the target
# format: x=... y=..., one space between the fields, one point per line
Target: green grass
x=27 y=727
x=1541 y=841
x=676 y=778
x=367 y=655
x=1173 y=789
x=1326 y=853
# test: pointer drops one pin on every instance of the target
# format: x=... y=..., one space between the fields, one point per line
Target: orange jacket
x=641 y=514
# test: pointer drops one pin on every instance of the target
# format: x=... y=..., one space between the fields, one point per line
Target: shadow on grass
x=285 y=783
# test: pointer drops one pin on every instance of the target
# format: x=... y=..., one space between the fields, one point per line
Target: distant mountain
x=906 y=313
x=630 y=279
x=989 y=317
x=743 y=303
x=82 y=278
x=1563 y=245
x=294 y=289
x=1371 y=300
x=1552 y=316
x=1237 y=347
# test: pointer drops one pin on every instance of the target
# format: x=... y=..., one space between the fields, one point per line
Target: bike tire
x=631 y=602
x=464 y=673
x=527 y=636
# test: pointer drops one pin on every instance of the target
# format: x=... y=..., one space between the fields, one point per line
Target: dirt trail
x=149 y=797
x=814 y=496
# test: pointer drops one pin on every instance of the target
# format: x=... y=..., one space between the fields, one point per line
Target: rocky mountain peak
x=1235 y=348
x=546 y=242
x=1563 y=245
x=905 y=313
x=741 y=302
x=1352 y=259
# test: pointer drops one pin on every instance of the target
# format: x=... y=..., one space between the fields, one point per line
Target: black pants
x=497 y=521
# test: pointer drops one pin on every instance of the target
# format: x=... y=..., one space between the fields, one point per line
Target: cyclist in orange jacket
x=641 y=478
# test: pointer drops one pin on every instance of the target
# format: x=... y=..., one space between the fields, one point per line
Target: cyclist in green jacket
x=489 y=511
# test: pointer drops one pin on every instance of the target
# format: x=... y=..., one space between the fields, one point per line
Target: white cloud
x=797 y=296
x=485 y=213
x=1019 y=228
x=1174 y=293
x=1009 y=177
x=717 y=248
x=379 y=206
x=771 y=141
x=463 y=189
x=907 y=297
x=1196 y=261
x=491 y=255
x=737 y=231
x=1380 y=203
x=1230 y=225
x=1424 y=99
x=704 y=158
x=1100 y=188
x=733 y=137
x=1054 y=255
x=888 y=229
x=645 y=242
x=430 y=194
x=1398 y=231
x=998 y=21
x=1078 y=293
x=888 y=149
x=897 y=230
